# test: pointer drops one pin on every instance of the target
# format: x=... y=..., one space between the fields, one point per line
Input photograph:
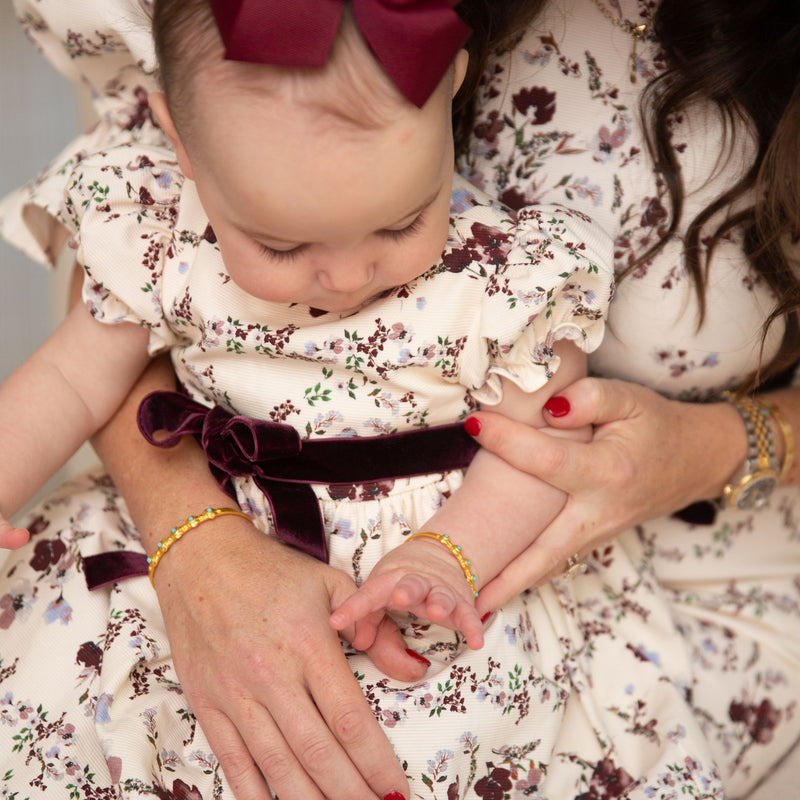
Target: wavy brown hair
x=743 y=56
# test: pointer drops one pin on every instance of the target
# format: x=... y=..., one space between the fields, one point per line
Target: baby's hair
x=187 y=41
x=351 y=89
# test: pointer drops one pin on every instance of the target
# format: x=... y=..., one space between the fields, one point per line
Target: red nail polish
x=394 y=796
x=486 y=616
x=557 y=406
x=419 y=658
x=472 y=426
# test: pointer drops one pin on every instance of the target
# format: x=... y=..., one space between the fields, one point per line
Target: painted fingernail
x=394 y=796
x=557 y=406
x=486 y=616
x=422 y=660
x=472 y=426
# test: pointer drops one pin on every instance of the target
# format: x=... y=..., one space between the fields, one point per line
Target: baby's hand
x=421 y=577
x=10 y=537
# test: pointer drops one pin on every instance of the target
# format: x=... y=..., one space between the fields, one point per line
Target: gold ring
x=574 y=568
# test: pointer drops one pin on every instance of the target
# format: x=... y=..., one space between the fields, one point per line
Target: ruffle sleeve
x=123 y=206
x=548 y=276
x=106 y=47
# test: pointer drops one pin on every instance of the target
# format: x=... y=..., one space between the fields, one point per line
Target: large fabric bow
x=414 y=40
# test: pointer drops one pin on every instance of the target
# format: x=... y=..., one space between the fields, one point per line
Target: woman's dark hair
x=744 y=57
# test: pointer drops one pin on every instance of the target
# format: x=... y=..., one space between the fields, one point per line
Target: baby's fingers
x=10 y=537
x=372 y=597
x=467 y=620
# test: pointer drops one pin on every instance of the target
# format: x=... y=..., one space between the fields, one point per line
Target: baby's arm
x=493 y=517
x=56 y=399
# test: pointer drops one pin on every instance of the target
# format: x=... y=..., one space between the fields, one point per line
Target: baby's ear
x=158 y=104
x=460 y=64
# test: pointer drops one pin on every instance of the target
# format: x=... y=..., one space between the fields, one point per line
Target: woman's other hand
x=648 y=457
x=265 y=674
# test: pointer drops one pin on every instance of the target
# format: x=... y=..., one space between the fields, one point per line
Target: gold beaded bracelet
x=176 y=533
x=455 y=549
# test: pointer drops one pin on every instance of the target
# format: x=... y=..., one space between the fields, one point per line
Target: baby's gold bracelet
x=190 y=524
x=455 y=549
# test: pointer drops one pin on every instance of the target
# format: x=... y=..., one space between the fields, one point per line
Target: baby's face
x=307 y=209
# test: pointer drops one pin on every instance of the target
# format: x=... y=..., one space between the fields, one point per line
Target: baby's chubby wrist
x=425 y=554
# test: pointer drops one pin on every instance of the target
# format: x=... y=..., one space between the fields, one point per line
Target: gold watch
x=752 y=489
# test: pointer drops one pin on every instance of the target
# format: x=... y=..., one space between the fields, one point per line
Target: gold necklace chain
x=636 y=32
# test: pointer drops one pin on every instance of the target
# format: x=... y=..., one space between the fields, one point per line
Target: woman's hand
x=248 y=626
x=265 y=674
x=648 y=457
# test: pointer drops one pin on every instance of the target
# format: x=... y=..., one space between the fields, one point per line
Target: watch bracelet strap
x=756 y=418
x=785 y=427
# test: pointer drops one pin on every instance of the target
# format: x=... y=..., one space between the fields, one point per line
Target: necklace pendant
x=636 y=33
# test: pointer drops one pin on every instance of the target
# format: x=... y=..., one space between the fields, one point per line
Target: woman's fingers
x=390 y=654
x=350 y=720
x=592 y=401
x=10 y=537
x=244 y=776
x=563 y=463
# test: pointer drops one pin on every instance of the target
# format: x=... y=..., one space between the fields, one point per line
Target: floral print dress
x=670 y=670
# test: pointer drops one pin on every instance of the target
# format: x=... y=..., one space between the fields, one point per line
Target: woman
x=708 y=614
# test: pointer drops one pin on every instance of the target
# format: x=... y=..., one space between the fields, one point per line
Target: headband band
x=414 y=40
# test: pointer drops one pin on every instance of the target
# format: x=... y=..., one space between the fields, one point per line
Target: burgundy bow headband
x=414 y=40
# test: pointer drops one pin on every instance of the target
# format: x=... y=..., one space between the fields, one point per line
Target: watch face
x=755 y=491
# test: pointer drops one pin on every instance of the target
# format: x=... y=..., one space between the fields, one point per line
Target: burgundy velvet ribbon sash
x=282 y=465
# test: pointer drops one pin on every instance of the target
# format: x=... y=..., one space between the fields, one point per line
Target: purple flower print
x=101 y=712
x=59 y=611
x=15 y=603
x=530 y=783
x=607 y=140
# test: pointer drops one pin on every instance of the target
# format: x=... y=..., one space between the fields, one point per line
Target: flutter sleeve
x=548 y=276
x=107 y=48
x=123 y=207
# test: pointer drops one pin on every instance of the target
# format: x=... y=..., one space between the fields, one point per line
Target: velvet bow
x=414 y=40
x=239 y=446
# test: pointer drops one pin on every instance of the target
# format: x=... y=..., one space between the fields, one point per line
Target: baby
x=311 y=261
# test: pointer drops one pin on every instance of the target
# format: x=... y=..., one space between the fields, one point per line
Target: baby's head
x=324 y=186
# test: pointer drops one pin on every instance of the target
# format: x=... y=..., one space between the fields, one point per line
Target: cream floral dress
x=670 y=670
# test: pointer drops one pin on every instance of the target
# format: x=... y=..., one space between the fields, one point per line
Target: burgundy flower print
x=539 y=98
x=761 y=720
x=494 y=785
x=654 y=213
x=490 y=128
x=47 y=553
x=607 y=781
x=90 y=655
x=180 y=791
